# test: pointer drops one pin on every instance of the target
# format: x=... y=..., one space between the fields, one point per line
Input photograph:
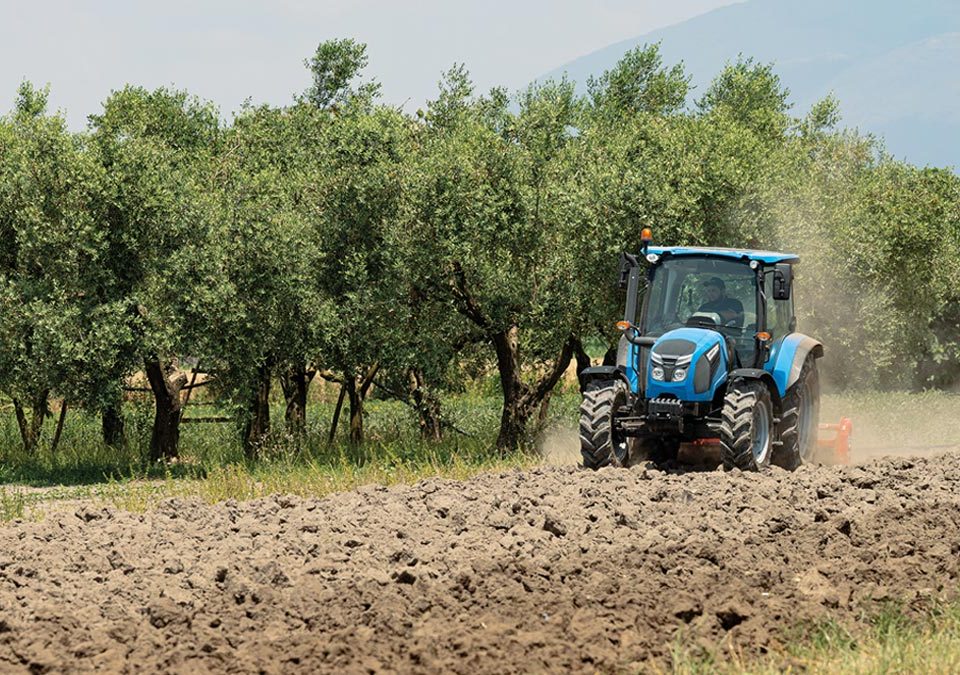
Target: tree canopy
x=393 y=254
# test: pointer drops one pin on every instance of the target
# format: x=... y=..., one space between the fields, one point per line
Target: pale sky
x=229 y=51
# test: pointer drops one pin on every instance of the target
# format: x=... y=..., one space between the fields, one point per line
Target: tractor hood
x=688 y=364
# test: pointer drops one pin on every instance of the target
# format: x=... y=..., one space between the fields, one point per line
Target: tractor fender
x=790 y=357
x=594 y=373
x=760 y=375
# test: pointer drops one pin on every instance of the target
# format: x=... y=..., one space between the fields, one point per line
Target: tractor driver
x=729 y=309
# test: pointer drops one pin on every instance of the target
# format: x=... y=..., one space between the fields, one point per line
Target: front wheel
x=600 y=443
x=746 y=429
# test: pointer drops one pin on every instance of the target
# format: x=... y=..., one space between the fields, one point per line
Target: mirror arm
x=633 y=337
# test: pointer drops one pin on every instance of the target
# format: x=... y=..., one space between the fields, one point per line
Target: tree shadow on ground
x=43 y=474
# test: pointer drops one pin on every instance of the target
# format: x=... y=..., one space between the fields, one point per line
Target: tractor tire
x=800 y=419
x=746 y=429
x=600 y=445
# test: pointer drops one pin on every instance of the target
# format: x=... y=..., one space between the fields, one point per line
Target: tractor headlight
x=680 y=374
x=657 y=373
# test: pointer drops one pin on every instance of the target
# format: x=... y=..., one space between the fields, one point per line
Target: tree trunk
x=521 y=400
x=356 y=409
x=544 y=410
x=513 y=417
x=31 y=426
x=357 y=390
x=59 y=431
x=336 y=414
x=427 y=407
x=513 y=425
x=166 y=385
x=112 y=425
x=258 y=415
x=295 y=382
x=583 y=359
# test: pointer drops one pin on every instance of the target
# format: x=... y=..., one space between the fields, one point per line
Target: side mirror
x=627 y=262
x=782 y=281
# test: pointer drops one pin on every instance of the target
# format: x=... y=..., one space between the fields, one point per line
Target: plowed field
x=547 y=570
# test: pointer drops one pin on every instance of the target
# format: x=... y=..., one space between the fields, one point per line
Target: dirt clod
x=555 y=569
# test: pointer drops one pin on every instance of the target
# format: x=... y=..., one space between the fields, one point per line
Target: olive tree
x=879 y=245
x=353 y=163
x=155 y=148
x=353 y=200
x=258 y=308
x=487 y=231
x=639 y=83
x=58 y=329
x=334 y=69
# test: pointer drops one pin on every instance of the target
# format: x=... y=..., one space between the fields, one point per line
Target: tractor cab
x=709 y=351
x=729 y=292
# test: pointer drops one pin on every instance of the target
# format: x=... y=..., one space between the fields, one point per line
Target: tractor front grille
x=665 y=407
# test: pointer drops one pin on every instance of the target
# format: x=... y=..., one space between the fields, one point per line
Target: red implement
x=832 y=448
x=836 y=449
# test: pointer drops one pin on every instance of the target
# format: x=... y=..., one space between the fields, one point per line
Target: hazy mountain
x=894 y=65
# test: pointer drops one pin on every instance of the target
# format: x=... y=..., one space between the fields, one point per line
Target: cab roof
x=766 y=257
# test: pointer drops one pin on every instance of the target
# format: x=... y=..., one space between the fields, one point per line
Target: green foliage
x=355 y=171
x=640 y=83
x=31 y=102
x=257 y=306
x=56 y=326
x=335 y=67
x=155 y=148
x=491 y=231
x=487 y=226
x=173 y=118
x=879 y=243
x=824 y=116
x=751 y=94
x=340 y=236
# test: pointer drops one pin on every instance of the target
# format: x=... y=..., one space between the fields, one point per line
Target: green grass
x=213 y=466
x=892 y=641
x=12 y=504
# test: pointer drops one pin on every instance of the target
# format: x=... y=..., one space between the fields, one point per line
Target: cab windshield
x=703 y=292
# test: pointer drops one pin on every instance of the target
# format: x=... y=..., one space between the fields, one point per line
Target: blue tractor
x=713 y=355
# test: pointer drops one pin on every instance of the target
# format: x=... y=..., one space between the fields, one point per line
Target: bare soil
x=553 y=569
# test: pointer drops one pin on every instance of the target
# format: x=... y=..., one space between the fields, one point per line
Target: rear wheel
x=746 y=430
x=600 y=444
x=800 y=419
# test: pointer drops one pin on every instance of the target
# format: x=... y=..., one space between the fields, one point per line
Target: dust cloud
x=559 y=445
x=869 y=339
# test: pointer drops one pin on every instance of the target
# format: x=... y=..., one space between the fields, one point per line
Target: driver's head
x=714 y=289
